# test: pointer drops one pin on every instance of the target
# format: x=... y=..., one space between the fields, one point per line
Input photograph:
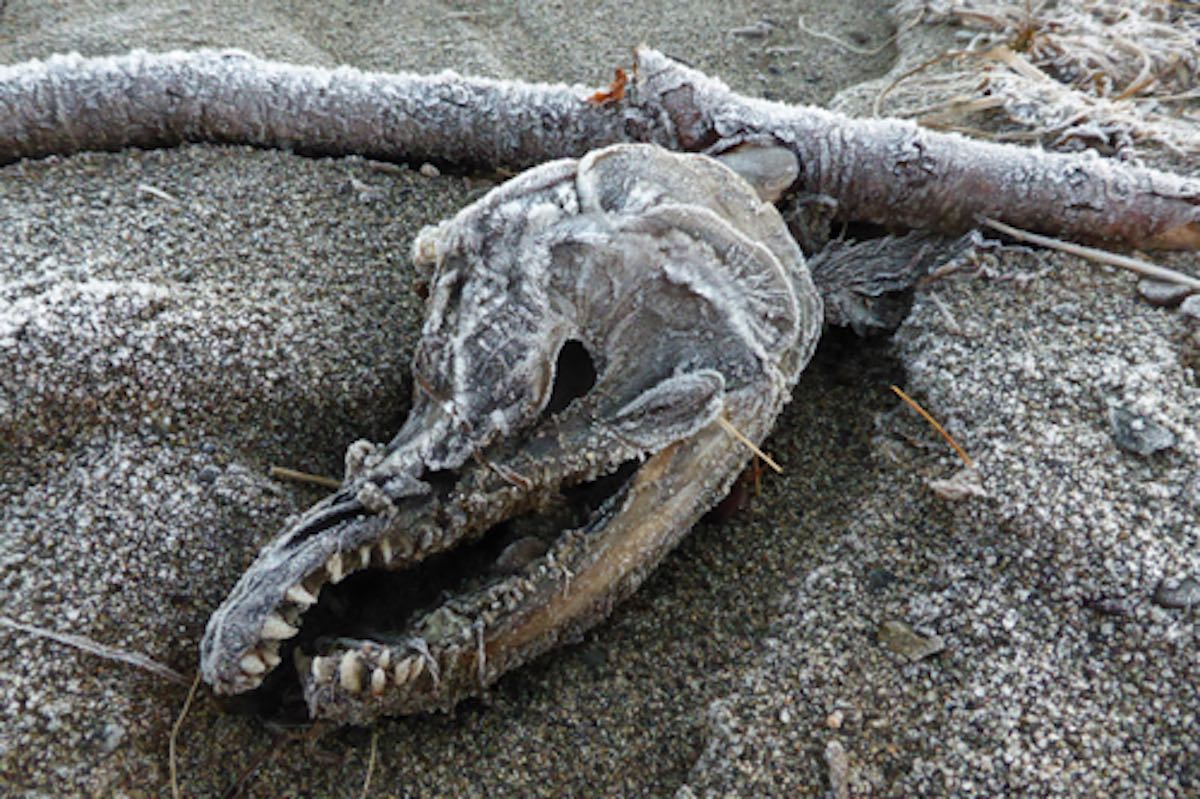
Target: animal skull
x=595 y=330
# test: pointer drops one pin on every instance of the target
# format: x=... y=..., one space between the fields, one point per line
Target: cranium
x=597 y=329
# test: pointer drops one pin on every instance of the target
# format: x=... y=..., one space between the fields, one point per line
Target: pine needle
x=85 y=644
x=912 y=403
x=371 y=762
x=284 y=473
x=733 y=431
x=1135 y=265
x=173 y=740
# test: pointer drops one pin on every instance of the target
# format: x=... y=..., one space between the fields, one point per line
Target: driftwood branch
x=884 y=171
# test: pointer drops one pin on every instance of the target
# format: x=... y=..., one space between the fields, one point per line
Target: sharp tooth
x=252 y=664
x=276 y=629
x=271 y=657
x=404 y=671
x=350 y=672
x=322 y=669
x=300 y=595
x=334 y=567
x=385 y=659
x=364 y=555
x=385 y=550
x=378 y=682
x=418 y=666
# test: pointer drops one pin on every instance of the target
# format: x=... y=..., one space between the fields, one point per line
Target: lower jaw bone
x=698 y=313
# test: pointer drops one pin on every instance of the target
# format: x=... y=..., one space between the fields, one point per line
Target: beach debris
x=615 y=92
x=1190 y=307
x=962 y=453
x=883 y=171
x=839 y=769
x=756 y=30
x=154 y=191
x=1163 y=294
x=1177 y=594
x=1138 y=434
x=600 y=333
x=1104 y=75
x=906 y=642
x=963 y=484
x=1138 y=266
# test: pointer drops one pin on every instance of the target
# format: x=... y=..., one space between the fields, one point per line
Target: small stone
x=429 y=170
x=1108 y=606
x=1135 y=433
x=208 y=474
x=879 y=579
x=839 y=769
x=1191 y=307
x=1161 y=293
x=961 y=485
x=903 y=640
x=111 y=736
x=1180 y=595
x=835 y=720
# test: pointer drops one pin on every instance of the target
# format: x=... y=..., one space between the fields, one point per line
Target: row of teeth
x=276 y=629
x=352 y=671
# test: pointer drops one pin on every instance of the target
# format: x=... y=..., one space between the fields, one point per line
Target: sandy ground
x=159 y=349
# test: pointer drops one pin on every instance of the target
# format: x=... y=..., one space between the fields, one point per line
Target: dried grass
x=1102 y=74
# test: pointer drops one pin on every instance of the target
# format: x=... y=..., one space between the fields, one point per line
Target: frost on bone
x=691 y=300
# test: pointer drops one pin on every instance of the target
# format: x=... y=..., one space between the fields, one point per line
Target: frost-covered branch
x=66 y=104
x=884 y=171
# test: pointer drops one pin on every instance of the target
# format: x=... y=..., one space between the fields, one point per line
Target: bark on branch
x=884 y=171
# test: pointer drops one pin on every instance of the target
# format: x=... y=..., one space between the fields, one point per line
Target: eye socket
x=574 y=376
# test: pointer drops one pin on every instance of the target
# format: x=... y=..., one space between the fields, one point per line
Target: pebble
x=208 y=474
x=1185 y=593
x=903 y=640
x=1163 y=294
x=839 y=769
x=1135 y=433
x=1191 y=307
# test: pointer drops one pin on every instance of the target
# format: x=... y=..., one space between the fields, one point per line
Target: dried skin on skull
x=589 y=322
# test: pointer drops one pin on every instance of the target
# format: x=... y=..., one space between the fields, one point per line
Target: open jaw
x=458 y=587
x=595 y=329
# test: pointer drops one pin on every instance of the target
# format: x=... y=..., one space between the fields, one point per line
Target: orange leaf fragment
x=615 y=92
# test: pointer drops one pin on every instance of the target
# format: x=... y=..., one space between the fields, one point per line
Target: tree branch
x=884 y=171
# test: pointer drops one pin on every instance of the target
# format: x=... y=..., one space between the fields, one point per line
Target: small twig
x=912 y=403
x=172 y=741
x=861 y=50
x=146 y=188
x=284 y=473
x=1135 y=265
x=96 y=648
x=733 y=431
x=371 y=762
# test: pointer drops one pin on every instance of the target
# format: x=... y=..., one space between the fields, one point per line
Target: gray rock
x=1136 y=433
x=1177 y=595
x=903 y=640
x=1163 y=294
x=1191 y=307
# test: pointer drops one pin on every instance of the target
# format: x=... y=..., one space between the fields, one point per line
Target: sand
x=173 y=322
